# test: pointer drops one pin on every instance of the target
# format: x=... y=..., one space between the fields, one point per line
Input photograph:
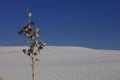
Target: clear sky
x=85 y=23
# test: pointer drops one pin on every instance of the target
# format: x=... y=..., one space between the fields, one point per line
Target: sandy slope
x=61 y=63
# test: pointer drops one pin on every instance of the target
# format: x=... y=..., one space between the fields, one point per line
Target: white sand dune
x=61 y=63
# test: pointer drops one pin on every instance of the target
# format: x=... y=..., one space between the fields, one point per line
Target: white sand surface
x=61 y=63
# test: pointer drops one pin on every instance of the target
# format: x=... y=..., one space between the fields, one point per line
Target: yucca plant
x=32 y=33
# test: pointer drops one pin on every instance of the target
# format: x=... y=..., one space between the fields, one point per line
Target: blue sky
x=85 y=23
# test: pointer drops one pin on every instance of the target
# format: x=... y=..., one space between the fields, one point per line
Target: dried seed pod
x=28 y=53
x=35 y=54
x=37 y=59
x=20 y=31
x=27 y=35
x=31 y=37
x=24 y=51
